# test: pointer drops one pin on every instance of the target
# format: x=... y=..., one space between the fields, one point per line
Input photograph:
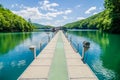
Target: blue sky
x=54 y=12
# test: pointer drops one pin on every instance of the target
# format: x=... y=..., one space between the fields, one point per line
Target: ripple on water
x=106 y=73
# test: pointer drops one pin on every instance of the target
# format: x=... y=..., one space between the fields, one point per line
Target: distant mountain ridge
x=40 y=26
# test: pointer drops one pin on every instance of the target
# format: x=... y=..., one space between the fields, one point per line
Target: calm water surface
x=15 y=55
x=103 y=57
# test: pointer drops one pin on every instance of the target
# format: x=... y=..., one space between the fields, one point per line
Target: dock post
x=33 y=49
x=40 y=45
x=52 y=35
x=86 y=46
x=48 y=36
x=71 y=39
x=78 y=47
x=66 y=35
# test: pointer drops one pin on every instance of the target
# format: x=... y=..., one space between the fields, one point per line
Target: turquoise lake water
x=15 y=54
x=103 y=56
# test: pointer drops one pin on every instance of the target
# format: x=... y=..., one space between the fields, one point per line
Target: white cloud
x=65 y=17
x=48 y=23
x=17 y=5
x=80 y=18
x=45 y=11
x=56 y=23
x=14 y=5
x=60 y=22
x=29 y=12
x=94 y=13
x=21 y=6
x=53 y=14
x=47 y=6
x=90 y=10
x=34 y=13
x=68 y=11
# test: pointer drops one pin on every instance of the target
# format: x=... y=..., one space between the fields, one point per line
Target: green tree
x=10 y=22
x=108 y=20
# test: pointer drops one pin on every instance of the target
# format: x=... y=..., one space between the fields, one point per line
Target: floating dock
x=58 y=61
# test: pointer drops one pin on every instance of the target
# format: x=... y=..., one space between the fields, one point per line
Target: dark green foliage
x=113 y=6
x=108 y=20
x=39 y=26
x=10 y=22
x=98 y=21
x=1 y=6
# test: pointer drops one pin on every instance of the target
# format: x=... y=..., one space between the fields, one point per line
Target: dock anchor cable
x=86 y=46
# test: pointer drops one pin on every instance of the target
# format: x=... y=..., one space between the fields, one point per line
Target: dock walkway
x=58 y=61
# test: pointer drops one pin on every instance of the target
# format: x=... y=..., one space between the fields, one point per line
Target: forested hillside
x=108 y=20
x=39 y=26
x=10 y=22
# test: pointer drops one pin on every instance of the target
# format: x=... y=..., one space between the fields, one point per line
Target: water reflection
x=15 y=55
x=8 y=41
x=104 y=54
x=111 y=56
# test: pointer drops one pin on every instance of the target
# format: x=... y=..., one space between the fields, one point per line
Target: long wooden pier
x=58 y=61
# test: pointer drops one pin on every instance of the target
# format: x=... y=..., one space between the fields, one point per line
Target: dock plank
x=77 y=70
x=43 y=66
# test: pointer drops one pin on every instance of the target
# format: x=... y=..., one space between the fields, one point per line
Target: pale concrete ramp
x=58 y=61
